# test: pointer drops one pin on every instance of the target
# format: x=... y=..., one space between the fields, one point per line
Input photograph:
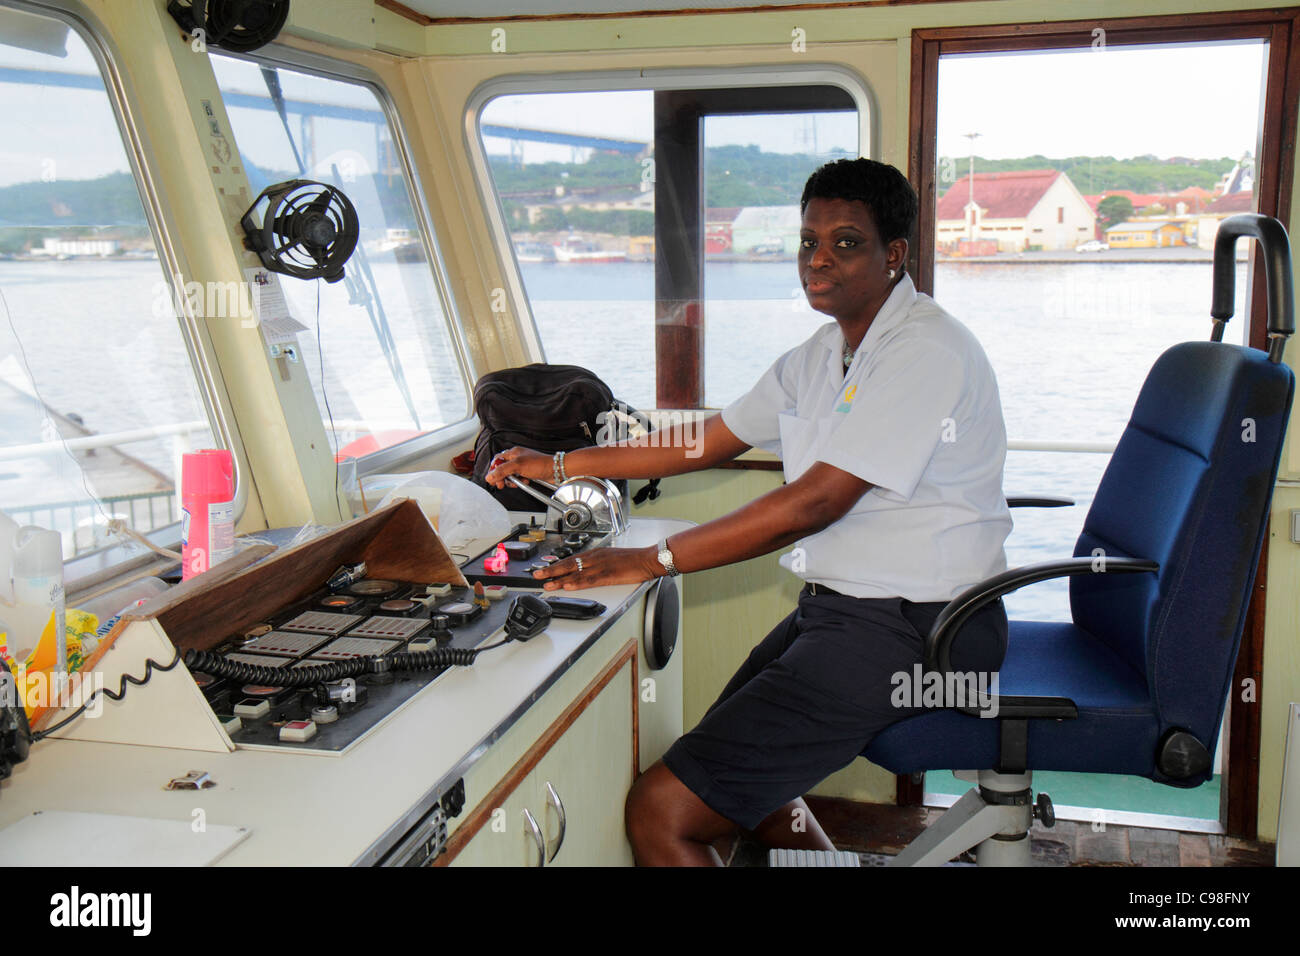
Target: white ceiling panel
x=497 y=9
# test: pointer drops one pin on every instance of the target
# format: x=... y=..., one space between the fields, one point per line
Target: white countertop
x=291 y=801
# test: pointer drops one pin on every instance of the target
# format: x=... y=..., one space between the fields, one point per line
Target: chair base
x=994 y=818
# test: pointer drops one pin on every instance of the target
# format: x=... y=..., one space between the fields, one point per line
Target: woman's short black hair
x=890 y=198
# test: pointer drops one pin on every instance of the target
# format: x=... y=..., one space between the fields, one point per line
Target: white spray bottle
x=31 y=588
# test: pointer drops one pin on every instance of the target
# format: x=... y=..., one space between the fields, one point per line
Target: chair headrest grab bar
x=1276 y=248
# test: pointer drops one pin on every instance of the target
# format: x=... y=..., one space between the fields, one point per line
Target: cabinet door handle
x=537 y=838
x=554 y=800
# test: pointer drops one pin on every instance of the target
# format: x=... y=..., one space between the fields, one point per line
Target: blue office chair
x=1160 y=582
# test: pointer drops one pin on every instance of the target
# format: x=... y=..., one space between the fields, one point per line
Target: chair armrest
x=938 y=643
x=1038 y=501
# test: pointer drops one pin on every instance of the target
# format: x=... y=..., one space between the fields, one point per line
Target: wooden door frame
x=1274 y=172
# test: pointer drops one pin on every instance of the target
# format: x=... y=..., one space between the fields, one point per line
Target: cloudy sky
x=1200 y=101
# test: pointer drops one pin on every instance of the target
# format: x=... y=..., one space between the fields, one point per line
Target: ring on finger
x=579 y=560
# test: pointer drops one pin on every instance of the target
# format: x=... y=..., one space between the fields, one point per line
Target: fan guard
x=239 y=25
x=303 y=229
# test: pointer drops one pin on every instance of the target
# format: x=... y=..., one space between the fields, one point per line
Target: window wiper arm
x=378 y=320
x=271 y=77
x=359 y=292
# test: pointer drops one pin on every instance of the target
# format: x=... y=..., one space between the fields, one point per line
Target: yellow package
x=33 y=675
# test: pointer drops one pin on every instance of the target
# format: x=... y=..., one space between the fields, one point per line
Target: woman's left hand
x=602 y=566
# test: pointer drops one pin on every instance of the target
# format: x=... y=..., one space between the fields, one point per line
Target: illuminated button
x=495 y=592
x=438 y=590
x=340 y=602
x=298 y=731
x=230 y=723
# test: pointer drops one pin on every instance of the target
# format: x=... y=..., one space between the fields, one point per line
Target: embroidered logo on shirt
x=843 y=406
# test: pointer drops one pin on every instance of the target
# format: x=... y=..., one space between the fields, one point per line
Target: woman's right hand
x=519 y=461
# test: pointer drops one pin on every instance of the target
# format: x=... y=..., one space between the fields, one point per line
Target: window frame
x=657 y=81
x=87 y=572
x=1276 y=156
x=455 y=432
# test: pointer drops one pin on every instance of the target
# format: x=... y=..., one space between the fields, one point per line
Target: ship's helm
x=1160 y=583
x=581 y=503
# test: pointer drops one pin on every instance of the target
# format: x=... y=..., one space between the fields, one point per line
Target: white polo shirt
x=919 y=417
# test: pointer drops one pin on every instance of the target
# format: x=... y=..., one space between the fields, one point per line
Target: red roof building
x=1193 y=198
x=1020 y=210
x=1232 y=203
x=1139 y=200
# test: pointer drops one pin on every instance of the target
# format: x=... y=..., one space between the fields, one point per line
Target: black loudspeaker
x=239 y=25
x=303 y=229
x=663 y=610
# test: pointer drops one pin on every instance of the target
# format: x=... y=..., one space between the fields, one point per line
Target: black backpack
x=548 y=408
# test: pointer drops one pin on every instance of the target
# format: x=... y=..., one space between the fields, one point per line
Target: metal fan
x=239 y=25
x=302 y=228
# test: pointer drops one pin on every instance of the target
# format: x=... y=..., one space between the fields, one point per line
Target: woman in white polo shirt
x=890 y=429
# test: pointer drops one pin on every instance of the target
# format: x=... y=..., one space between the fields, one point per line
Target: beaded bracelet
x=557 y=468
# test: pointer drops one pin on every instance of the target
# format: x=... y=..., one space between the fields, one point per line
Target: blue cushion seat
x=1116 y=726
x=1189 y=487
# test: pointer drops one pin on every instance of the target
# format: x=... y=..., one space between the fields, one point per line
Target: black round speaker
x=663 y=612
x=302 y=228
x=239 y=25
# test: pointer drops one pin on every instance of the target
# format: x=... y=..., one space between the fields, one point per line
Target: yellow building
x=1145 y=235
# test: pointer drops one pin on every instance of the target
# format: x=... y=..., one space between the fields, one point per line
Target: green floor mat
x=1107 y=791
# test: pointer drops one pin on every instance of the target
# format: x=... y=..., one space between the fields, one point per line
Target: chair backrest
x=1189 y=486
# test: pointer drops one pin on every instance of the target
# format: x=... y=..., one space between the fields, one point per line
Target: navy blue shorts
x=812 y=695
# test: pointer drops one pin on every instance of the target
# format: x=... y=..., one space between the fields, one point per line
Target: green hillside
x=734 y=176
x=110 y=200
x=1096 y=174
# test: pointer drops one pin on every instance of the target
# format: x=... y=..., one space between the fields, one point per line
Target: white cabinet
x=562 y=802
x=585 y=778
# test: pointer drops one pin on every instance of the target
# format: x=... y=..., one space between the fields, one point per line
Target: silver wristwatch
x=666 y=559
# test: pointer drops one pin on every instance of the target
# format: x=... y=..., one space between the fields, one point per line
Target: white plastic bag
x=461 y=511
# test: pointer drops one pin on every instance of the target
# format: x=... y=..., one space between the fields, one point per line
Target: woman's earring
x=891 y=273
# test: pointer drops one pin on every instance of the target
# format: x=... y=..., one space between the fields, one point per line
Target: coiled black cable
x=434 y=658
x=150 y=665
x=218 y=666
